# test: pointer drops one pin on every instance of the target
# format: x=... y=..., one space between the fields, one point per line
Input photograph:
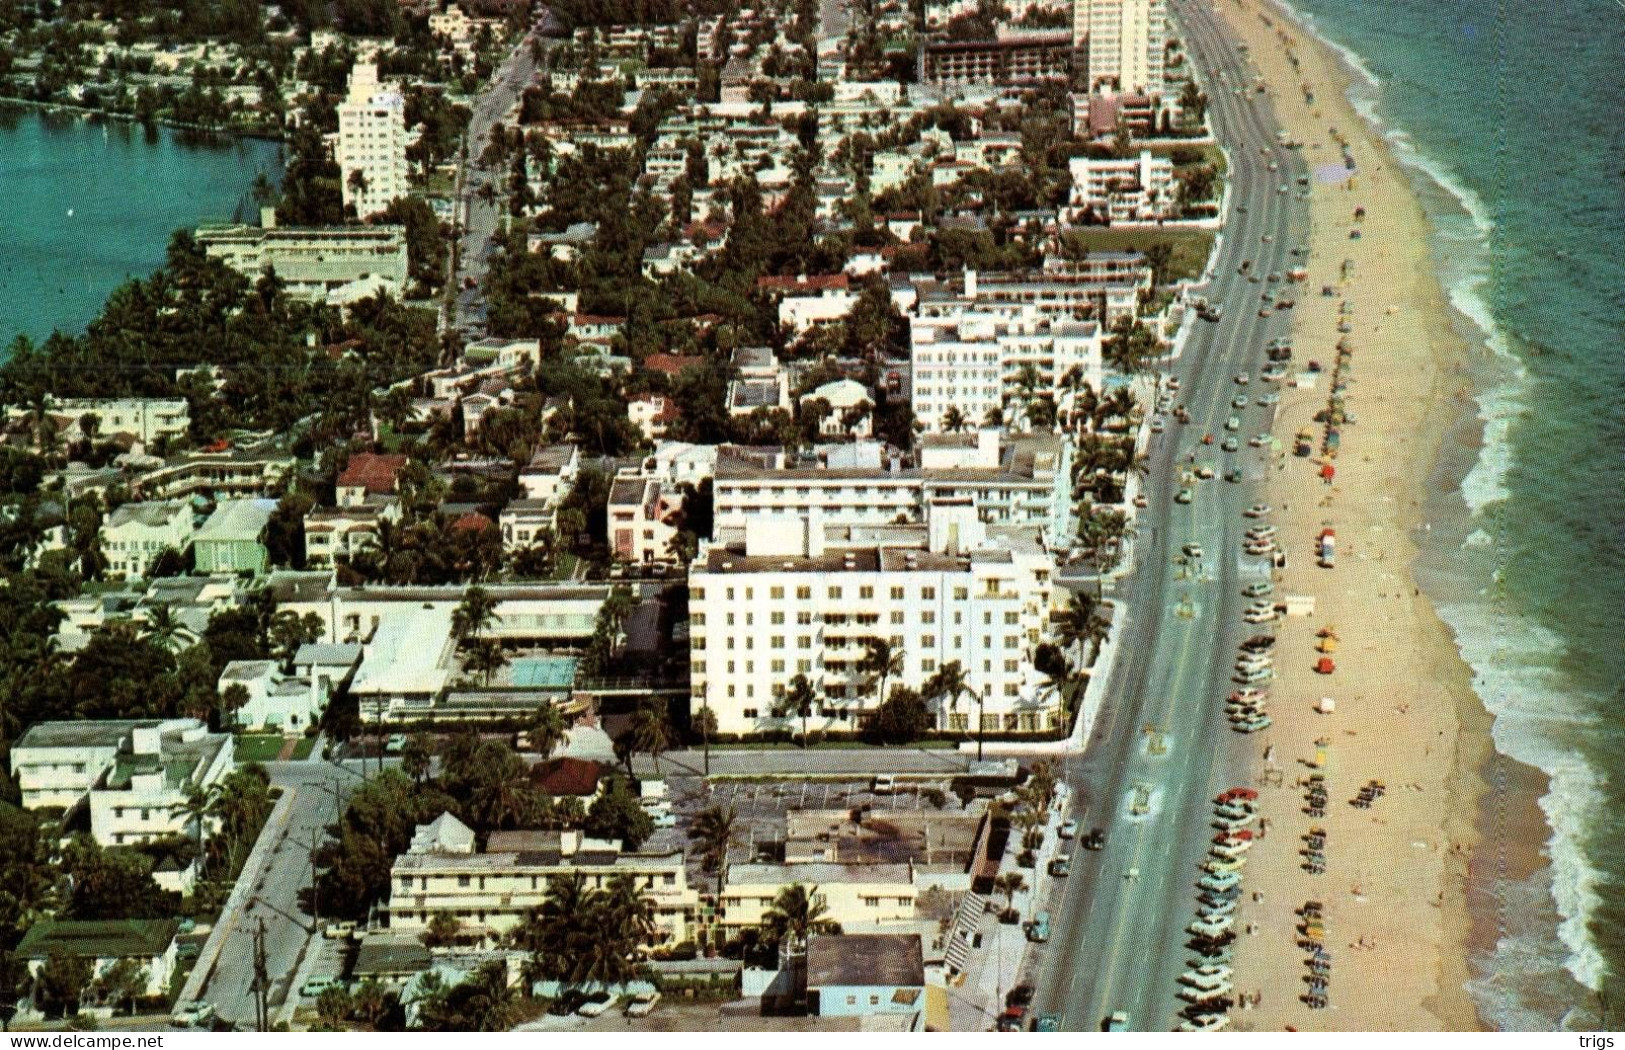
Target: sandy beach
x=1395 y=889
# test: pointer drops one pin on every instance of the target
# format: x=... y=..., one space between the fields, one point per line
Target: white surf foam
x=1516 y=676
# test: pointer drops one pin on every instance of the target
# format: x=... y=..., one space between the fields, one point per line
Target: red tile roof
x=803 y=283
x=567 y=776
x=672 y=364
x=473 y=521
x=371 y=471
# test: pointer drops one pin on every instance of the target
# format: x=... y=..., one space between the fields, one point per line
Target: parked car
x=192 y=1013
x=1067 y=829
x=314 y=987
x=1038 y=929
x=1061 y=866
x=595 y=1004
x=642 y=1004
x=395 y=744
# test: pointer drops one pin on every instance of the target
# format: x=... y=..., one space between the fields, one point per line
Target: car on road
x=1230 y=444
x=1067 y=829
x=1173 y=383
x=595 y=1005
x=1274 y=277
x=1265 y=311
x=1257 y=510
x=1233 y=475
x=1095 y=840
x=1061 y=866
x=1204 y=472
x=642 y=1004
x=1242 y=208
x=1038 y=929
x=1239 y=401
x=1271 y=398
x=1117 y=1022
x=314 y=987
x=1157 y=425
x=1283 y=188
x=1258 y=589
x=1258 y=441
x=1274 y=166
x=1185 y=495
x=1242 y=379
x=1192 y=550
x=192 y=1013
x=1233 y=423
x=1259 y=615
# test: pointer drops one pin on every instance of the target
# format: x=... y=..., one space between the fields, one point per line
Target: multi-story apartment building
x=1025 y=482
x=1024 y=58
x=215 y=474
x=1124 y=42
x=489 y=892
x=135 y=774
x=371 y=143
x=976 y=367
x=1134 y=189
x=854 y=895
x=786 y=601
x=136 y=534
x=644 y=514
x=146 y=419
x=313 y=262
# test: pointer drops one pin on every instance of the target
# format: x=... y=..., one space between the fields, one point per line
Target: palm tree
x=798 y=701
x=486 y=658
x=417 y=757
x=713 y=830
x=1072 y=623
x=163 y=628
x=953 y=420
x=881 y=662
x=797 y=914
x=650 y=731
x=617 y=607
x=949 y=684
x=198 y=807
x=476 y=612
x=548 y=729
x=1008 y=885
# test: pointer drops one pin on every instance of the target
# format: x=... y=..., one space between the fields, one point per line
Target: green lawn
x=265 y=747
x=1190 y=247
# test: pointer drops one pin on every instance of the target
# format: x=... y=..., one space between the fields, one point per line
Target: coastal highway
x=1119 y=941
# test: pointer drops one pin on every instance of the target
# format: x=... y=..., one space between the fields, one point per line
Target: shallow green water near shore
x=88 y=203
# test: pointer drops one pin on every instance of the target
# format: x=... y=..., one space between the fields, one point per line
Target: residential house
x=652 y=414
x=851 y=409
x=865 y=974
x=104 y=944
x=232 y=540
x=135 y=535
x=644 y=515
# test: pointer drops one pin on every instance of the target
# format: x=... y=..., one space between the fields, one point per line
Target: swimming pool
x=544 y=672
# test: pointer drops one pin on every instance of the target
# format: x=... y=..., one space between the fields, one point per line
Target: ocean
x=89 y=203
x=1506 y=115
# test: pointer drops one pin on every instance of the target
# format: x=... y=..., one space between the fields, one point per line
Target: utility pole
x=262 y=981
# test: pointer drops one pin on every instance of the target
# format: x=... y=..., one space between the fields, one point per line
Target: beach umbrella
x=1325 y=665
x=1328 y=472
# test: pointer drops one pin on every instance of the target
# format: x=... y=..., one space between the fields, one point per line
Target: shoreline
x=68 y=109
x=1490 y=798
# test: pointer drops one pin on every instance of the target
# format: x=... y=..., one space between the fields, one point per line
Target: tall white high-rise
x=1124 y=41
x=372 y=142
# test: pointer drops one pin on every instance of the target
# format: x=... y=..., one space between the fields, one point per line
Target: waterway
x=89 y=203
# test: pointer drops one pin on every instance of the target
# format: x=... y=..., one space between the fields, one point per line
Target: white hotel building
x=793 y=599
x=974 y=360
x=372 y=141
